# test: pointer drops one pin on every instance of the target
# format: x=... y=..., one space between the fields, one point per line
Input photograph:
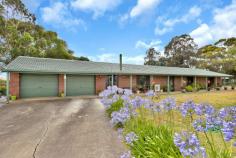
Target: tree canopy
x=182 y=51
x=20 y=36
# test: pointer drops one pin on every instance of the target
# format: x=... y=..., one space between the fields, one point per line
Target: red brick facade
x=61 y=83
x=100 y=83
x=178 y=83
x=14 y=84
x=162 y=80
x=201 y=81
x=124 y=81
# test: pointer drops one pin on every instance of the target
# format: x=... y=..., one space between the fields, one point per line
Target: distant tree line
x=20 y=36
x=182 y=51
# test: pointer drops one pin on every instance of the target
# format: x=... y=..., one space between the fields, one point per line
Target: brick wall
x=162 y=80
x=177 y=83
x=219 y=81
x=124 y=81
x=14 y=84
x=201 y=81
x=134 y=81
x=60 y=83
x=100 y=83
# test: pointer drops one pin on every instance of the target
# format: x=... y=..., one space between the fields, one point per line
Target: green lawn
x=216 y=98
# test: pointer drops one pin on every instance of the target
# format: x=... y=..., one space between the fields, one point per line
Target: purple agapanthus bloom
x=106 y=102
x=229 y=130
x=128 y=92
x=126 y=155
x=130 y=138
x=203 y=109
x=188 y=144
x=149 y=104
x=187 y=108
x=168 y=104
x=120 y=90
x=150 y=93
x=228 y=114
x=200 y=125
x=120 y=116
x=213 y=122
x=137 y=102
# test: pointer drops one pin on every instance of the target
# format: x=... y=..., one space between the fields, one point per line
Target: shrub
x=153 y=141
x=233 y=87
x=3 y=90
x=189 y=88
x=116 y=106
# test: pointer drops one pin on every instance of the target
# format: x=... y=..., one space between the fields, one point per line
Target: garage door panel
x=80 y=85
x=32 y=85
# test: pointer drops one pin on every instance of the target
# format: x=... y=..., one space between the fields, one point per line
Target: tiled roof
x=25 y=64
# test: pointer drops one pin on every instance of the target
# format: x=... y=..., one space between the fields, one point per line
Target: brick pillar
x=61 y=83
x=14 y=84
x=100 y=83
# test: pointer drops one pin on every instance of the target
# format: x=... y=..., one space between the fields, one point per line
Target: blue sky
x=101 y=29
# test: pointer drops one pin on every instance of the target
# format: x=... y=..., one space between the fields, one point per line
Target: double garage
x=47 y=85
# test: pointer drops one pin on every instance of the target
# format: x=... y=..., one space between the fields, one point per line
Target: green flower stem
x=209 y=142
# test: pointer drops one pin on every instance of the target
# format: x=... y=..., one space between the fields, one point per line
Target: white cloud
x=58 y=15
x=114 y=58
x=153 y=44
x=202 y=34
x=222 y=26
x=143 y=6
x=98 y=7
x=166 y=25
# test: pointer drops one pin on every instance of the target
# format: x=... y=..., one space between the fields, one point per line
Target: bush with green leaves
x=189 y=88
x=116 y=106
x=152 y=141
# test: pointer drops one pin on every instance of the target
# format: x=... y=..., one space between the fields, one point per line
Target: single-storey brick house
x=42 y=77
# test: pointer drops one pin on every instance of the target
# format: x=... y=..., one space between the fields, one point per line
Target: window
x=109 y=80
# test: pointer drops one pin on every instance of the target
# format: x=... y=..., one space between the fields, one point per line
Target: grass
x=218 y=99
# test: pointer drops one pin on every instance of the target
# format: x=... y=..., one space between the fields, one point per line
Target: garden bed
x=169 y=128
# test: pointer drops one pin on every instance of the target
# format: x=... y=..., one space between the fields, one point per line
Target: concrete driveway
x=70 y=128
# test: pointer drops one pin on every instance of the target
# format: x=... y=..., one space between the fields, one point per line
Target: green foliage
x=82 y=58
x=116 y=106
x=153 y=141
x=19 y=36
x=152 y=57
x=189 y=88
x=181 y=51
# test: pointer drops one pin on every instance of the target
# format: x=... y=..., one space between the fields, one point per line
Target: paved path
x=71 y=128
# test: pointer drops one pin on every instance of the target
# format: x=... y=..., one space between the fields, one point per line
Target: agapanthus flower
x=149 y=104
x=120 y=90
x=112 y=89
x=229 y=130
x=128 y=92
x=106 y=102
x=137 y=102
x=126 y=155
x=200 y=125
x=120 y=116
x=189 y=145
x=228 y=114
x=203 y=109
x=187 y=108
x=213 y=122
x=168 y=104
x=150 y=93
x=130 y=138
